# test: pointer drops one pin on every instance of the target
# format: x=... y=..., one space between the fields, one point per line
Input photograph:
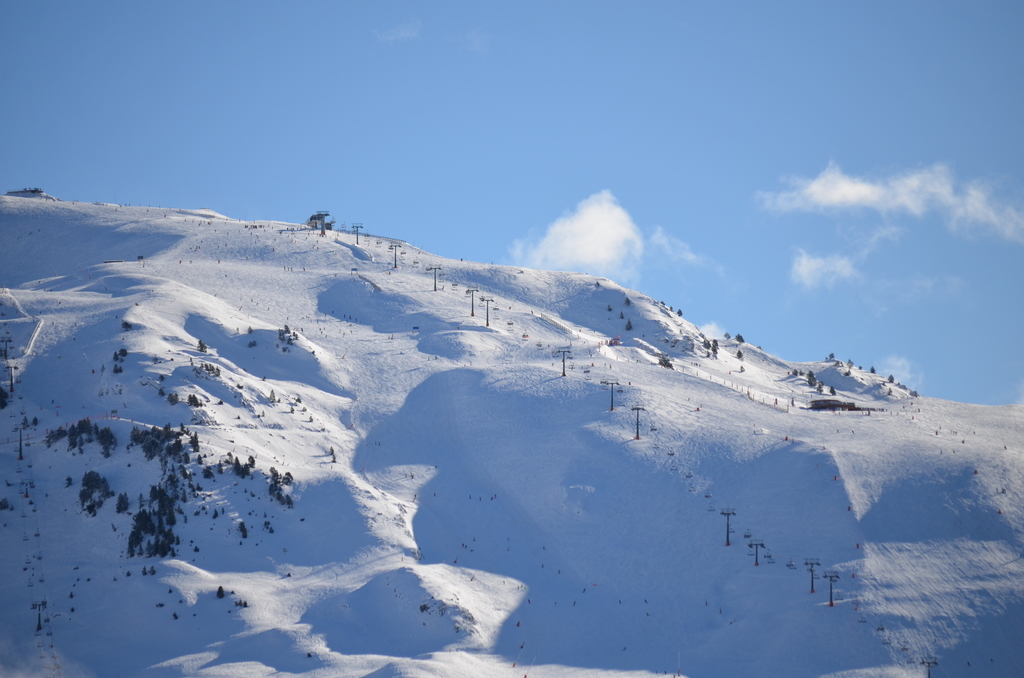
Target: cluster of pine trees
x=152 y=533
x=276 y=481
x=154 y=525
x=95 y=490
x=82 y=432
x=164 y=442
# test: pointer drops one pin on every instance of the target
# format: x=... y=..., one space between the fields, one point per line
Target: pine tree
x=629 y=325
x=739 y=338
x=811 y=381
x=739 y=355
x=831 y=390
x=201 y=346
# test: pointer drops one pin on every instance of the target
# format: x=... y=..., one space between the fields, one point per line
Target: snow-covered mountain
x=367 y=476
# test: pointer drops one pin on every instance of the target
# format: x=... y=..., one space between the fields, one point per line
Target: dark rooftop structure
x=834 y=404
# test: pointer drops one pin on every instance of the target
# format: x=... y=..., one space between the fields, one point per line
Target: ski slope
x=454 y=506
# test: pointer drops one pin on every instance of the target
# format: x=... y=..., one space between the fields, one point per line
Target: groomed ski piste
x=379 y=478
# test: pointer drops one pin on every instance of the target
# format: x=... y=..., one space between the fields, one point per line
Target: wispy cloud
x=679 y=252
x=477 y=41
x=915 y=192
x=891 y=233
x=598 y=237
x=810 y=271
x=406 y=31
x=902 y=371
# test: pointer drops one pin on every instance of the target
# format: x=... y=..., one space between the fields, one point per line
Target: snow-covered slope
x=374 y=479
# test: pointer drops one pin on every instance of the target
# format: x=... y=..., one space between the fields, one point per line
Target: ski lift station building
x=321 y=220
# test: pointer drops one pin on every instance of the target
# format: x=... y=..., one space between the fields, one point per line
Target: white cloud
x=809 y=271
x=599 y=237
x=712 y=330
x=406 y=31
x=902 y=370
x=915 y=192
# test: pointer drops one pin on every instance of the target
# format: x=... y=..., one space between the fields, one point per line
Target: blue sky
x=823 y=178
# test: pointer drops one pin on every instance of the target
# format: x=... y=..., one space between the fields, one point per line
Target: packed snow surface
x=375 y=467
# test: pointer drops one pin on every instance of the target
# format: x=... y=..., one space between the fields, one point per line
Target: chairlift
x=689 y=474
x=790 y=564
x=769 y=558
x=746 y=535
x=862 y=620
x=671 y=454
x=708 y=496
x=711 y=508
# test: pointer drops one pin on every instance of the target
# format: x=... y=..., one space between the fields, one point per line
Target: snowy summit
x=262 y=449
